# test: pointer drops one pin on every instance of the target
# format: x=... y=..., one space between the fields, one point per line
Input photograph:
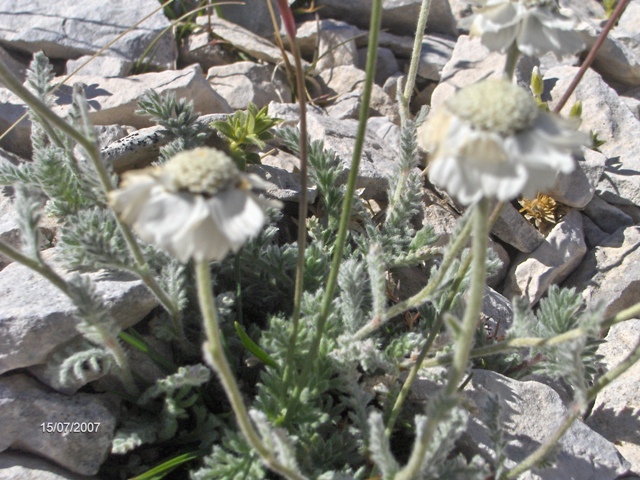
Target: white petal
x=501 y=40
x=209 y=243
x=531 y=39
x=129 y=199
x=237 y=214
x=169 y=220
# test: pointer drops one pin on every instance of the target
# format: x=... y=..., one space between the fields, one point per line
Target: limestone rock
x=245 y=40
x=69 y=29
x=344 y=80
x=114 y=100
x=471 y=61
x=18 y=69
x=608 y=116
x=593 y=236
x=614 y=414
x=436 y=52
x=512 y=228
x=398 y=16
x=36 y=318
x=573 y=189
x=386 y=65
x=252 y=15
x=615 y=61
x=556 y=257
x=25 y=405
x=101 y=66
x=140 y=148
x=244 y=82
x=337 y=45
x=531 y=413
x=12 y=109
x=605 y=216
x=498 y=313
x=287 y=184
x=610 y=273
x=199 y=47
x=24 y=466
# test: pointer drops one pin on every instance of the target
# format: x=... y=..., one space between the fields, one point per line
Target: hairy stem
x=215 y=357
x=415 y=61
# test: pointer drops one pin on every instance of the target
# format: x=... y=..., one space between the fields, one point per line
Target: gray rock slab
x=244 y=82
x=610 y=273
x=531 y=413
x=574 y=189
x=287 y=184
x=12 y=110
x=606 y=216
x=25 y=405
x=336 y=45
x=607 y=115
x=593 y=235
x=398 y=16
x=615 y=411
x=68 y=29
x=18 y=69
x=114 y=100
x=346 y=80
x=16 y=465
x=436 y=52
x=557 y=256
x=386 y=65
x=246 y=41
x=102 y=66
x=626 y=30
x=36 y=318
x=252 y=15
x=378 y=159
x=472 y=61
x=138 y=149
x=615 y=61
x=512 y=228
x=200 y=47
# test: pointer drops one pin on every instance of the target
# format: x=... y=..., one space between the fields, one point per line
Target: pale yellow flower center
x=204 y=170
x=495 y=106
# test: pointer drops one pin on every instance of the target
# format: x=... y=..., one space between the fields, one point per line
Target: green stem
x=415 y=61
x=93 y=152
x=513 y=54
x=345 y=216
x=464 y=340
x=217 y=360
x=413 y=373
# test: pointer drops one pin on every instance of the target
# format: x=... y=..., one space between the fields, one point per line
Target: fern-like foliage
x=178 y=117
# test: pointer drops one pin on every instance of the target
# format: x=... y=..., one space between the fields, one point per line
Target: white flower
x=536 y=26
x=492 y=140
x=197 y=205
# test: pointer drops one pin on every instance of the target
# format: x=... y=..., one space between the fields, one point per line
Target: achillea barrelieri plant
x=309 y=347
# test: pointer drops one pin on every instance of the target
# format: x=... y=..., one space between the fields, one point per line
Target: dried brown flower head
x=541 y=211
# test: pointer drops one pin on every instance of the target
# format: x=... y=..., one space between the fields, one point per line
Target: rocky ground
x=593 y=246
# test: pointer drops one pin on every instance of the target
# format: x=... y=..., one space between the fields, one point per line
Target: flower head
x=197 y=205
x=541 y=211
x=535 y=26
x=492 y=140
